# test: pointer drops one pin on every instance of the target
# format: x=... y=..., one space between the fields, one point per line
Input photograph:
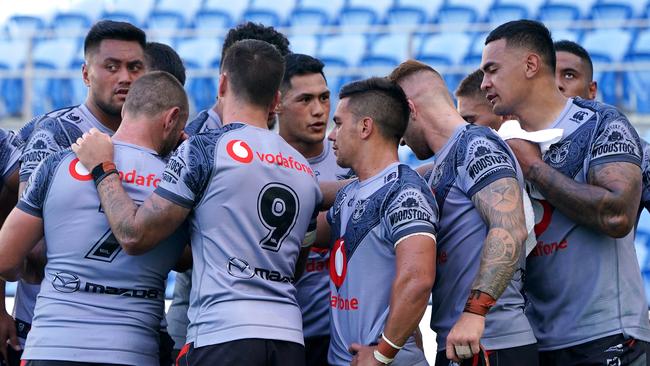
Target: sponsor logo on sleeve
x=485 y=160
x=172 y=173
x=409 y=206
x=615 y=140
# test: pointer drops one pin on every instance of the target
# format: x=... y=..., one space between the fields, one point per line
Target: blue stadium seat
x=637 y=84
x=641 y=42
x=563 y=34
x=480 y=7
x=91 y=9
x=606 y=80
x=306 y=44
x=197 y=54
x=185 y=9
x=450 y=46
x=405 y=19
x=430 y=7
x=123 y=10
x=331 y=7
x=379 y=7
x=52 y=54
x=501 y=13
x=269 y=13
x=70 y=24
x=354 y=20
x=24 y=26
x=208 y=21
x=386 y=52
x=531 y=6
x=13 y=54
x=613 y=43
x=475 y=51
x=611 y=14
x=343 y=50
x=456 y=18
x=234 y=9
x=164 y=23
x=307 y=20
x=558 y=14
x=583 y=6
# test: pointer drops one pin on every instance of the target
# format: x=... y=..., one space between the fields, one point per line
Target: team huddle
x=297 y=248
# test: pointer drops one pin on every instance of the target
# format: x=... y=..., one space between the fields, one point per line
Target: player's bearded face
x=414 y=138
x=109 y=72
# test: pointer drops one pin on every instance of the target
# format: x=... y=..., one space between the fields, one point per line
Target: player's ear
x=533 y=63
x=366 y=126
x=593 y=89
x=277 y=102
x=84 y=74
x=414 y=112
x=223 y=84
x=171 y=118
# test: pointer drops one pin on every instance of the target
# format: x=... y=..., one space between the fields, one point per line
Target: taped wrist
x=479 y=303
x=103 y=170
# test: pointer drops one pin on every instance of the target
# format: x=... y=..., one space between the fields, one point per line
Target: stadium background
x=41 y=49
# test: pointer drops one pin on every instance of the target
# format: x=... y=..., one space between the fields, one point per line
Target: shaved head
x=420 y=81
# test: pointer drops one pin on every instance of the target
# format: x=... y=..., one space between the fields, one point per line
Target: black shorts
x=316 y=350
x=249 y=352
x=613 y=350
x=515 y=356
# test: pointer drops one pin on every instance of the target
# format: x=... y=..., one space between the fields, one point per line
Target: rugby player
x=303 y=113
x=113 y=53
x=478 y=187
x=98 y=305
x=10 y=149
x=584 y=289
x=204 y=121
x=383 y=226
x=472 y=104
x=574 y=71
x=253 y=202
x=161 y=57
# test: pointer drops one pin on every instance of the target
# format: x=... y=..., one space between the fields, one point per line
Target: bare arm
x=19 y=234
x=610 y=195
x=138 y=229
x=416 y=271
x=501 y=207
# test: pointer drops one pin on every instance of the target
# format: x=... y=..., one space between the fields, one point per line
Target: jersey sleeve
x=10 y=150
x=47 y=138
x=410 y=210
x=33 y=198
x=485 y=159
x=188 y=172
x=615 y=140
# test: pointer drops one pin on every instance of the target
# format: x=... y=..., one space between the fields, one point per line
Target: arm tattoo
x=501 y=207
x=611 y=195
x=118 y=206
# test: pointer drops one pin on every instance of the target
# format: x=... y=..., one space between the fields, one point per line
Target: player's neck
x=373 y=160
x=245 y=113
x=543 y=108
x=109 y=121
x=306 y=149
x=136 y=133
x=440 y=127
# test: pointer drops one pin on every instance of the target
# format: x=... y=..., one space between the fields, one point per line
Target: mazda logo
x=65 y=282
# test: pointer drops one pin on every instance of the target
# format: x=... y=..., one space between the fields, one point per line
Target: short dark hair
x=528 y=34
x=408 y=68
x=470 y=86
x=382 y=100
x=254 y=69
x=250 y=30
x=297 y=64
x=109 y=29
x=161 y=57
x=578 y=50
x=155 y=92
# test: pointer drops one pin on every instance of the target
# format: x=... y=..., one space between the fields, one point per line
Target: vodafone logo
x=543 y=211
x=240 y=151
x=338 y=263
x=78 y=171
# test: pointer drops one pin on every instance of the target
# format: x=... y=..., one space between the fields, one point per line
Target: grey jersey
x=45 y=135
x=368 y=219
x=10 y=149
x=645 y=172
x=584 y=285
x=473 y=158
x=96 y=303
x=176 y=316
x=206 y=120
x=253 y=199
x=314 y=286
